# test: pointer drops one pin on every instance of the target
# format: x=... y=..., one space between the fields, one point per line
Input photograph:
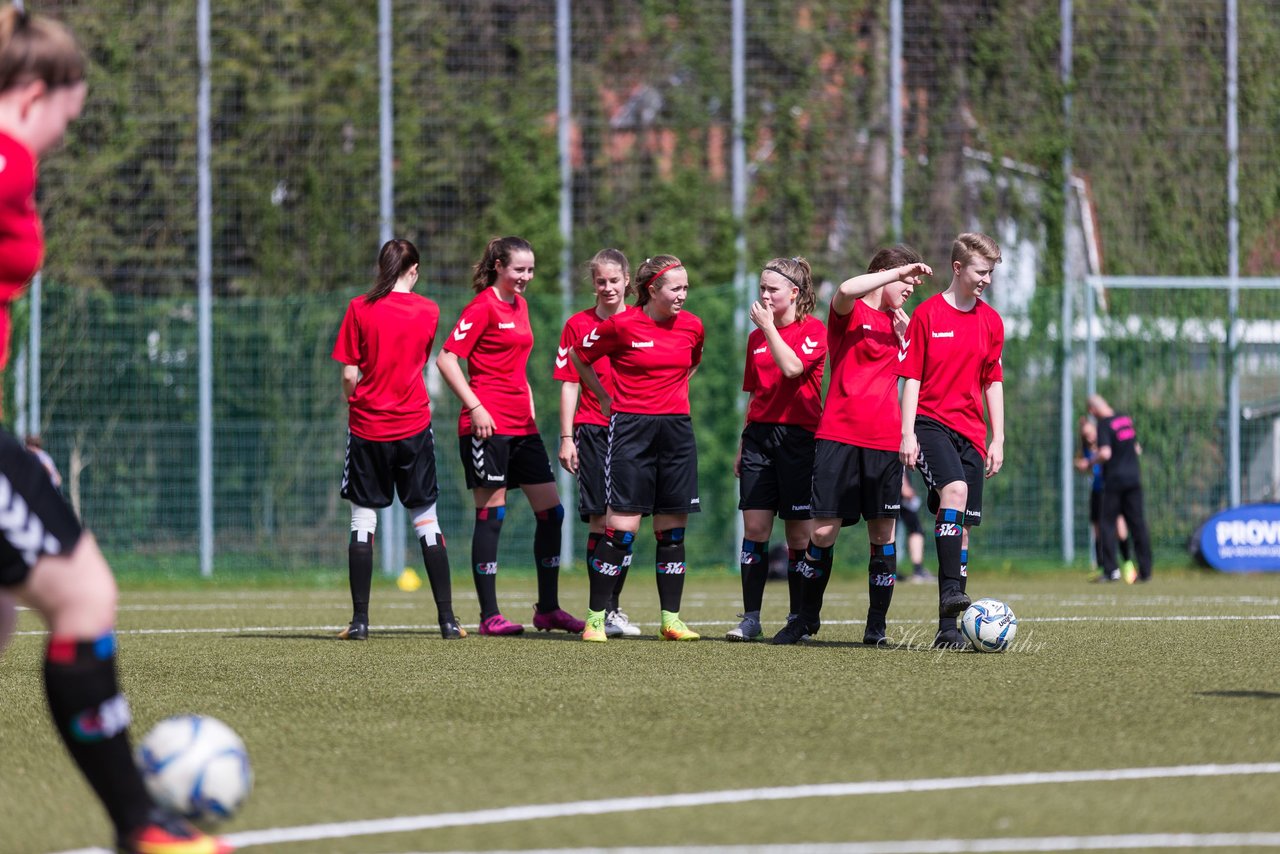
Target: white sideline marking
x=402 y=824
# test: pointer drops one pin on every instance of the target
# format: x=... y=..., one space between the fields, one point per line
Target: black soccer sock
x=546 y=554
x=360 y=574
x=795 y=581
x=614 y=597
x=1125 y=553
x=754 y=565
x=815 y=567
x=435 y=558
x=881 y=573
x=593 y=540
x=671 y=568
x=92 y=719
x=606 y=565
x=947 y=537
x=964 y=569
x=484 y=557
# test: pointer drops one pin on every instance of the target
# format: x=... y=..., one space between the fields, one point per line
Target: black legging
x=1126 y=502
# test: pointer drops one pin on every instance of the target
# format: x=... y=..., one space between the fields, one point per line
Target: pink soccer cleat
x=499 y=625
x=557 y=619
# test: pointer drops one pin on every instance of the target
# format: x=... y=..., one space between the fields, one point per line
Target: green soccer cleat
x=594 y=629
x=673 y=628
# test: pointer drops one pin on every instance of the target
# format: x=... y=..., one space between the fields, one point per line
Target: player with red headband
x=856 y=470
x=497 y=435
x=47 y=561
x=785 y=357
x=652 y=463
x=584 y=429
x=951 y=362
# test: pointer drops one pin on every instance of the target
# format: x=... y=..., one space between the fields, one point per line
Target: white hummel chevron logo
x=462 y=330
x=22 y=528
x=902 y=354
x=808 y=346
x=590 y=338
x=563 y=358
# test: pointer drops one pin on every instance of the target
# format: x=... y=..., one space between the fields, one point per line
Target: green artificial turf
x=1182 y=671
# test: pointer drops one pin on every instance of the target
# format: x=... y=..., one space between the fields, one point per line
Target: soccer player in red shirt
x=652 y=463
x=785 y=357
x=383 y=344
x=497 y=436
x=47 y=561
x=584 y=429
x=951 y=362
x=856 y=470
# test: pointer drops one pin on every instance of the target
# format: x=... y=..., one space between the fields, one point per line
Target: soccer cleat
x=953 y=603
x=167 y=834
x=594 y=628
x=747 y=630
x=874 y=634
x=949 y=639
x=673 y=628
x=795 y=631
x=356 y=631
x=450 y=630
x=557 y=619
x=1129 y=572
x=499 y=625
x=617 y=624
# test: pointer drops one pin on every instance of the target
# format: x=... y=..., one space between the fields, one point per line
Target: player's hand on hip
x=909 y=451
x=995 y=458
x=482 y=422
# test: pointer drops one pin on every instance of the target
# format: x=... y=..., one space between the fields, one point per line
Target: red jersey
x=576 y=328
x=776 y=399
x=651 y=360
x=862 y=401
x=495 y=338
x=21 y=235
x=389 y=341
x=955 y=355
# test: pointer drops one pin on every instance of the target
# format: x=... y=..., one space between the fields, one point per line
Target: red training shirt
x=575 y=329
x=955 y=355
x=389 y=341
x=495 y=338
x=651 y=360
x=775 y=399
x=21 y=235
x=862 y=401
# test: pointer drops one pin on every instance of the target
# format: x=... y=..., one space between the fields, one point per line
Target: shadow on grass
x=1247 y=695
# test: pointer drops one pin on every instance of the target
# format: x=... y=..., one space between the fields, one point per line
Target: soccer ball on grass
x=196 y=766
x=989 y=625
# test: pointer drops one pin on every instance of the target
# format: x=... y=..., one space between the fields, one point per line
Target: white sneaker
x=618 y=624
x=748 y=630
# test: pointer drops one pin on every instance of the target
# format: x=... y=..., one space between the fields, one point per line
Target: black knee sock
x=964 y=570
x=1125 y=553
x=616 y=595
x=882 y=571
x=484 y=557
x=92 y=719
x=360 y=574
x=606 y=565
x=815 y=567
x=593 y=540
x=436 y=561
x=947 y=537
x=546 y=554
x=795 y=581
x=754 y=565
x=671 y=568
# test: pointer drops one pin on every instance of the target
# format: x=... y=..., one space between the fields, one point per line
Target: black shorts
x=35 y=519
x=505 y=462
x=777 y=470
x=945 y=457
x=592 y=442
x=850 y=482
x=652 y=466
x=372 y=469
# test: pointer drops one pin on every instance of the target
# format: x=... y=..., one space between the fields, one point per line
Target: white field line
x=607 y=806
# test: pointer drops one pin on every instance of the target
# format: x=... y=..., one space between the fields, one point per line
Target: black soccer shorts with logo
x=505 y=462
x=592 y=442
x=374 y=471
x=945 y=457
x=852 y=483
x=652 y=465
x=35 y=520
x=776 y=470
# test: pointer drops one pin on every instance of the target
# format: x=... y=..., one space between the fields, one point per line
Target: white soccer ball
x=196 y=766
x=989 y=625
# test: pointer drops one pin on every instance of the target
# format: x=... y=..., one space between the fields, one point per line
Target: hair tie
x=661 y=272
x=782 y=274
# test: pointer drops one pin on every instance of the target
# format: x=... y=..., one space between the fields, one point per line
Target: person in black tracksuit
x=1118 y=451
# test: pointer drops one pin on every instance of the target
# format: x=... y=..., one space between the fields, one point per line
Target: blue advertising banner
x=1243 y=539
